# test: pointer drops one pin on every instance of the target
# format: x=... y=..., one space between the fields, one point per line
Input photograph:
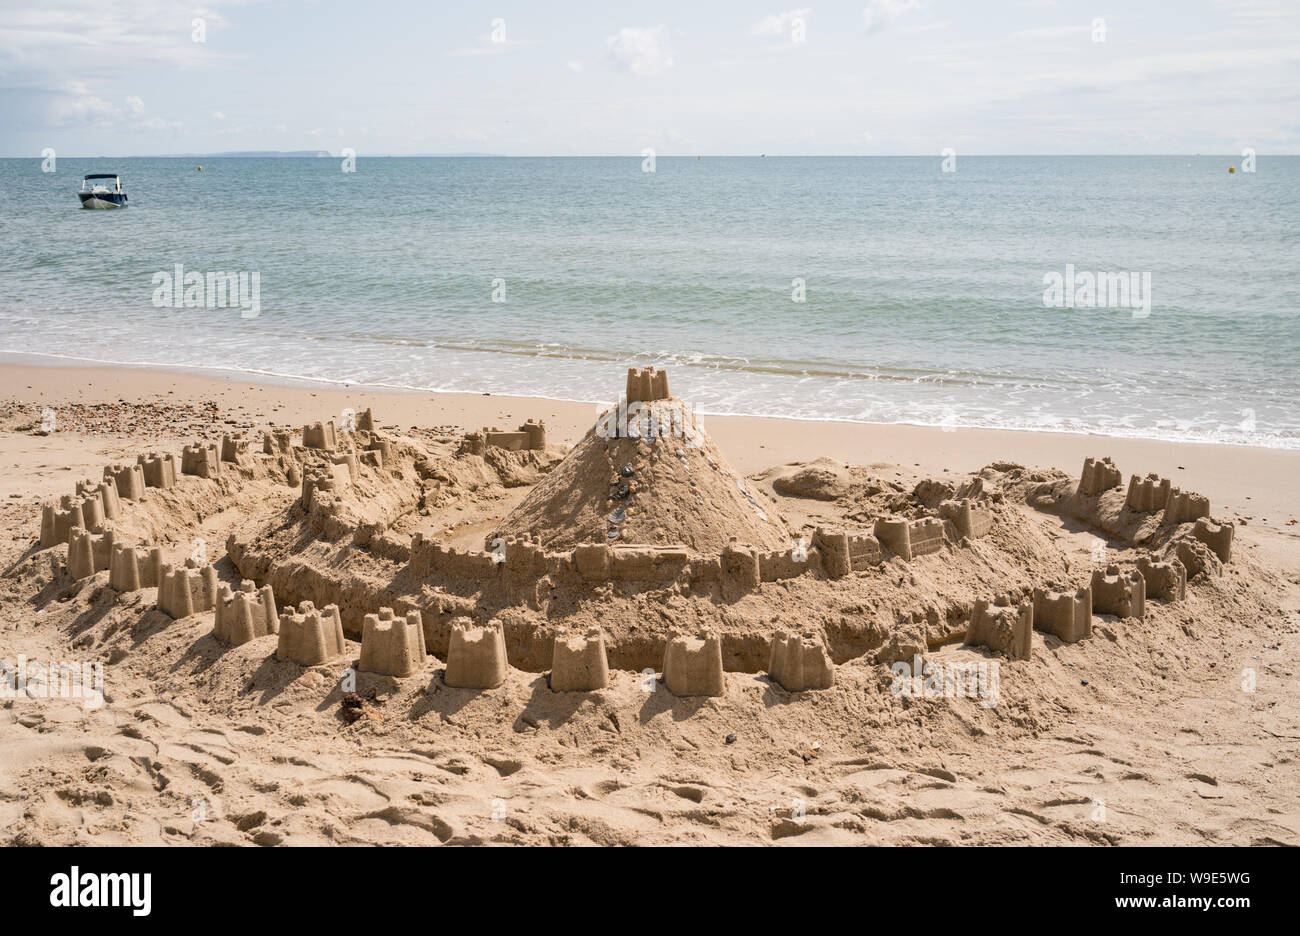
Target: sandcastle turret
x=310 y=637
x=800 y=661
x=693 y=665
x=245 y=614
x=1147 y=494
x=1164 y=580
x=646 y=385
x=1099 y=476
x=200 y=460
x=391 y=645
x=579 y=662
x=476 y=656
x=320 y=436
x=1120 y=593
x=187 y=589
x=159 y=470
x=1065 y=613
x=129 y=480
x=1184 y=507
x=1003 y=626
x=1217 y=536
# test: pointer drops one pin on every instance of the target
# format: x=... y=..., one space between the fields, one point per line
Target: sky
x=870 y=77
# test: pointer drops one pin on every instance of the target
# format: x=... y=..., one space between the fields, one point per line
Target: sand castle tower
x=646 y=474
x=391 y=645
x=476 y=656
x=310 y=637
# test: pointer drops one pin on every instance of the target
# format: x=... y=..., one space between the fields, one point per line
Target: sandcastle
x=1002 y=626
x=201 y=460
x=1099 y=476
x=579 y=663
x=320 y=436
x=1066 y=614
x=246 y=614
x=1164 y=580
x=129 y=480
x=159 y=471
x=476 y=656
x=693 y=665
x=234 y=448
x=1120 y=593
x=132 y=568
x=531 y=436
x=390 y=645
x=646 y=385
x=1218 y=536
x=1147 y=494
x=187 y=589
x=310 y=637
x=800 y=662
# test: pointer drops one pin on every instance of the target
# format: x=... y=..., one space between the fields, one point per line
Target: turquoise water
x=924 y=289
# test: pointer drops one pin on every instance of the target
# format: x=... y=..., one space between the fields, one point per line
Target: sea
x=939 y=291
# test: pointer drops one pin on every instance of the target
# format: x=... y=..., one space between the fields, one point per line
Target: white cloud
x=217 y=115
x=135 y=104
x=574 y=65
x=881 y=14
x=640 y=51
x=779 y=24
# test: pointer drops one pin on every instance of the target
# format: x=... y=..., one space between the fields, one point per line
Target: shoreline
x=1242 y=482
x=22 y=359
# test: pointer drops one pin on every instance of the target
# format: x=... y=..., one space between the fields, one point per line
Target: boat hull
x=102 y=200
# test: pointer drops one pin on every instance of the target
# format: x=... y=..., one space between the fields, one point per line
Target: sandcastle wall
x=1147 y=494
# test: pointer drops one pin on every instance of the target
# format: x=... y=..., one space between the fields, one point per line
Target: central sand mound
x=647 y=473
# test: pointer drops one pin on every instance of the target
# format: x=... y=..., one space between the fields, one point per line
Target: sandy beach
x=1143 y=733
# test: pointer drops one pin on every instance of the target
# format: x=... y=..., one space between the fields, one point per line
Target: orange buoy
x=1232 y=169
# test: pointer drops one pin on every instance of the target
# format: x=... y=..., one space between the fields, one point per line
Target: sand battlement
x=1099 y=476
x=646 y=385
x=246 y=614
x=310 y=637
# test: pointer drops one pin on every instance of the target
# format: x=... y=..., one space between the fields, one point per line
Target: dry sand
x=1141 y=734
